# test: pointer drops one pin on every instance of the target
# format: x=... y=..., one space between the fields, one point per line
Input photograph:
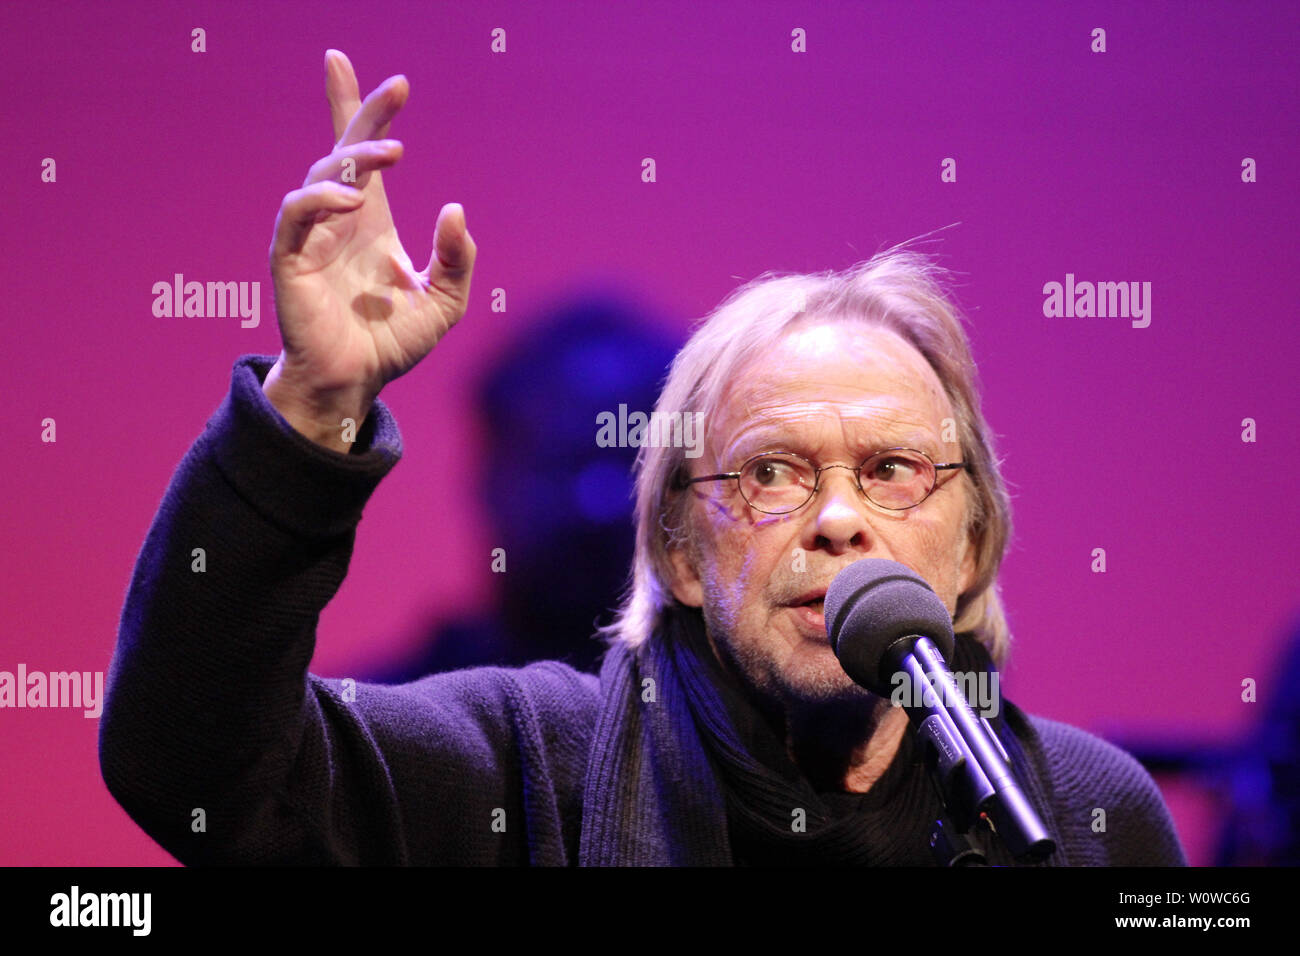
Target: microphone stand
x=968 y=765
x=951 y=848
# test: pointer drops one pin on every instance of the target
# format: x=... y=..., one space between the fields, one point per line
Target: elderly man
x=841 y=422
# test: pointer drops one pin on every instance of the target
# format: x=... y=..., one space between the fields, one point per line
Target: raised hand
x=353 y=312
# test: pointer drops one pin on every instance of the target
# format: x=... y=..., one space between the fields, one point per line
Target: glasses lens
x=898 y=479
x=777 y=483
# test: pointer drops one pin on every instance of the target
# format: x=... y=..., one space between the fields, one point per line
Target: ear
x=686 y=578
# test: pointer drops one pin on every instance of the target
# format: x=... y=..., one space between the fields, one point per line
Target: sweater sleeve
x=1111 y=810
x=222 y=747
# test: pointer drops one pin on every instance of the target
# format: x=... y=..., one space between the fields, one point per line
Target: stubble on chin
x=809 y=679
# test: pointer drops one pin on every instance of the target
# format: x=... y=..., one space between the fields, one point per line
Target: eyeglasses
x=780 y=482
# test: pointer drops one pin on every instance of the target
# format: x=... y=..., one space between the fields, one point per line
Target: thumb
x=454 y=251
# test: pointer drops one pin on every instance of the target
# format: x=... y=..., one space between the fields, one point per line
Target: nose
x=839 y=523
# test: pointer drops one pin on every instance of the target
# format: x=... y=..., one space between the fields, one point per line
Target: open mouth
x=810 y=617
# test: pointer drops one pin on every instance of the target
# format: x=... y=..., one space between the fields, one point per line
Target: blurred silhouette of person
x=560 y=505
x=1255 y=779
x=1262 y=777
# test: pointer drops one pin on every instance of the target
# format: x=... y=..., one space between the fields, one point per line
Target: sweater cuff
x=303 y=487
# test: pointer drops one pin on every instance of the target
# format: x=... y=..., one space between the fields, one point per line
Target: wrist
x=331 y=418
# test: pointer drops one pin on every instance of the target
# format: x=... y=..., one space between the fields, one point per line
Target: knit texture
x=210 y=707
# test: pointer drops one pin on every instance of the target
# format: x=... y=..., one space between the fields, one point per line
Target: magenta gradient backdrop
x=1116 y=166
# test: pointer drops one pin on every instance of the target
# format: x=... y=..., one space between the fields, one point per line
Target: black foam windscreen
x=872 y=605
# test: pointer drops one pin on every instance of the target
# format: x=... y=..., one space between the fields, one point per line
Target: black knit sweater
x=210 y=707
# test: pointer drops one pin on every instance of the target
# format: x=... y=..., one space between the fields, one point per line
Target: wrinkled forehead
x=864 y=381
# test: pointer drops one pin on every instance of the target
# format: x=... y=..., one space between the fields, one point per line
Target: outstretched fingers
x=341 y=90
x=303 y=208
x=352 y=164
x=372 y=119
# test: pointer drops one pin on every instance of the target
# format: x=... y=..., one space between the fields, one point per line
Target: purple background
x=1116 y=166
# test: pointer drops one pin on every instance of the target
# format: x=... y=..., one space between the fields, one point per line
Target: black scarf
x=684 y=770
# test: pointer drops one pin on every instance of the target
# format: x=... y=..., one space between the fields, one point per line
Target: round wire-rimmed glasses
x=779 y=482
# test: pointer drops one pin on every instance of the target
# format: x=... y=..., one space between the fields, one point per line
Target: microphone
x=886 y=625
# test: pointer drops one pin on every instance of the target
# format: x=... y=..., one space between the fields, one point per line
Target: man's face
x=834 y=394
